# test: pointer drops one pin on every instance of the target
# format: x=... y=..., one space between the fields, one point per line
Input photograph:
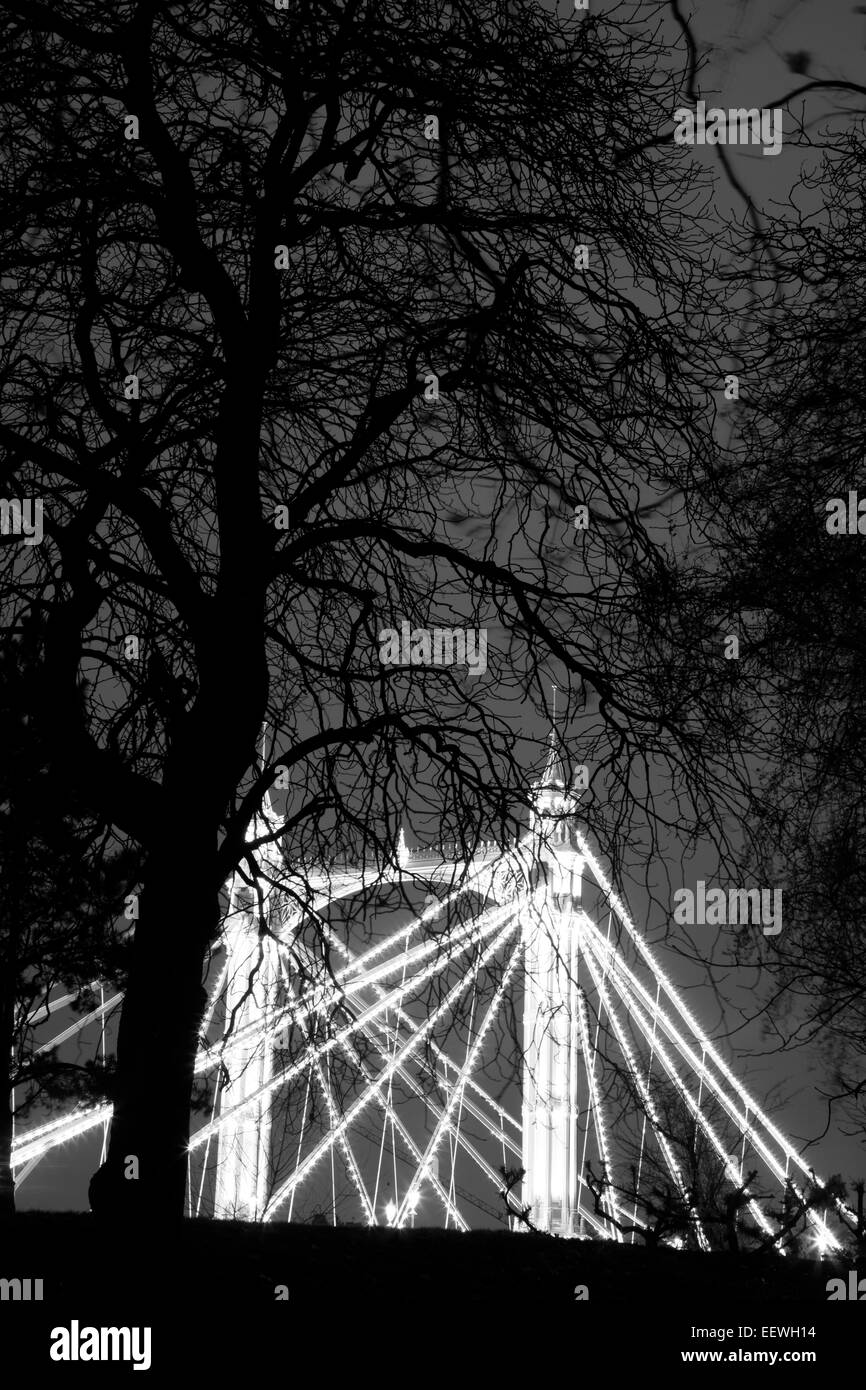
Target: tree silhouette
x=318 y=321
x=709 y=1199
x=797 y=580
x=61 y=886
x=512 y=1177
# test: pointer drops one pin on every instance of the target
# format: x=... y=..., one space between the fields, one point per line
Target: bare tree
x=792 y=568
x=704 y=1199
x=666 y=1210
x=316 y=323
x=512 y=1177
x=62 y=884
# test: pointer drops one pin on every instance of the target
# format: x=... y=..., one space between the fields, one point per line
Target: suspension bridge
x=519 y=1020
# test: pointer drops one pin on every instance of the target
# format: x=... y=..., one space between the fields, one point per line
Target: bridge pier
x=551 y=1022
x=243 y=1175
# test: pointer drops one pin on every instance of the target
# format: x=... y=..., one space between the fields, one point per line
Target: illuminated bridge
x=514 y=1018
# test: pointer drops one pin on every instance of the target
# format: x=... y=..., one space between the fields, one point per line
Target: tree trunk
x=145 y=1172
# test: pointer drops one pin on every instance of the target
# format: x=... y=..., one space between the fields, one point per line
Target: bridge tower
x=551 y=1017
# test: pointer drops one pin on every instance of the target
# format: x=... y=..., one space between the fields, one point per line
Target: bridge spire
x=551 y=789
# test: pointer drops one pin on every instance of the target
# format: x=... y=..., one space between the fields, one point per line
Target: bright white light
x=637 y=1001
x=823 y=1242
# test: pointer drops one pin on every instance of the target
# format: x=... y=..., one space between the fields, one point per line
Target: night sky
x=752 y=49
